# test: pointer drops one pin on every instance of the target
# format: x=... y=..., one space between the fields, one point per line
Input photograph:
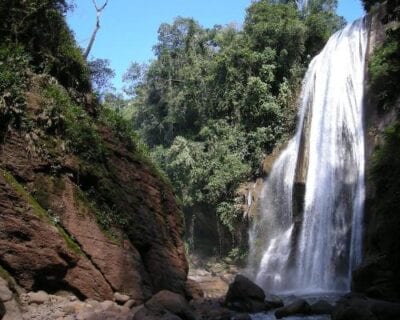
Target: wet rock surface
x=321 y=307
x=205 y=309
x=298 y=307
x=359 y=307
x=273 y=301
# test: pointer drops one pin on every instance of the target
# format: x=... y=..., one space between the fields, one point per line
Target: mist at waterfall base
x=307 y=238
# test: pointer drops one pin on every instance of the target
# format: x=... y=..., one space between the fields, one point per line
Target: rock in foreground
x=298 y=307
x=321 y=307
x=359 y=307
x=172 y=302
x=245 y=296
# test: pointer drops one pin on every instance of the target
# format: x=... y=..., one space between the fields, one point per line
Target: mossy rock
x=40 y=211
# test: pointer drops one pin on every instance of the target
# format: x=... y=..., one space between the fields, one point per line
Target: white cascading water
x=315 y=249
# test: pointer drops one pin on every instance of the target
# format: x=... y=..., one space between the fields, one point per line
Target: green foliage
x=385 y=205
x=101 y=75
x=39 y=27
x=238 y=255
x=278 y=27
x=214 y=101
x=228 y=214
x=83 y=137
x=321 y=22
x=123 y=129
x=368 y=4
x=106 y=217
x=133 y=78
x=386 y=172
x=14 y=67
x=391 y=6
x=79 y=129
x=384 y=69
x=198 y=170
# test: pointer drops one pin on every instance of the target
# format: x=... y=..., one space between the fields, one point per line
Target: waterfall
x=308 y=236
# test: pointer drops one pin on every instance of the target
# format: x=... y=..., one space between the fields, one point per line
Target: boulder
x=120 y=298
x=68 y=308
x=298 y=307
x=242 y=316
x=210 y=309
x=217 y=314
x=359 y=307
x=130 y=303
x=106 y=305
x=352 y=307
x=12 y=310
x=245 y=296
x=147 y=314
x=273 y=301
x=38 y=297
x=105 y=315
x=5 y=292
x=243 y=287
x=321 y=307
x=376 y=279
x=172 y=302
x=193 y=290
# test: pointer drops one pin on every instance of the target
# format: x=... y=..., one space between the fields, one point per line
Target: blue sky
x=129 y=27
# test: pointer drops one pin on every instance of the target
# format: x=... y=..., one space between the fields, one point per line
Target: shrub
x=13 y=83
x=79 y=129
x=384 y=69
x=385 y=172
x=39 y=27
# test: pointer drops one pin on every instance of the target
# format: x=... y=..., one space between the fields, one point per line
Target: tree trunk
x=99 y=10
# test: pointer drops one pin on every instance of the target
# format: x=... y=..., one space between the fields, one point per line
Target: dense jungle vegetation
x=215 y=101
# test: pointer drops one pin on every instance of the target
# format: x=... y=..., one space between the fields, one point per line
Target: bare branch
x=104 y=5
x=99 y=11
x=95 y=5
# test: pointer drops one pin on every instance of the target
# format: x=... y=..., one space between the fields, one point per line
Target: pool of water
x=270 y=316
x=311 y=298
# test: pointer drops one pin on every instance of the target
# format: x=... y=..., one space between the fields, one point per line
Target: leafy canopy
x=214 y=101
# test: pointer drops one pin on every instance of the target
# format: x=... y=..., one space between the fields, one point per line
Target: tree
x=214 y=101
x=101 y=75
x=134 y=77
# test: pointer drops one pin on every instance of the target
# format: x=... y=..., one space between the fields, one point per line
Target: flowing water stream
x=308 y=238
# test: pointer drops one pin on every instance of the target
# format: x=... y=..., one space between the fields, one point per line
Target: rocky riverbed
x=212 y=275
x=219 y=295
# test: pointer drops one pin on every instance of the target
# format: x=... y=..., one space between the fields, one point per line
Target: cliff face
x=378 y=276
x=93 y=228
